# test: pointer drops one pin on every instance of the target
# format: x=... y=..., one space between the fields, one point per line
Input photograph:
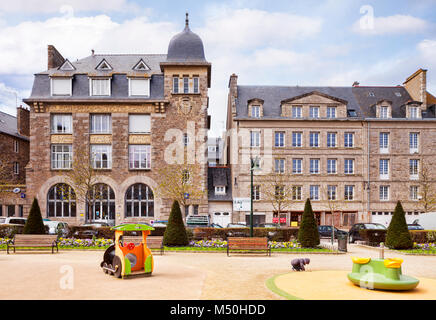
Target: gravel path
x=177 y=275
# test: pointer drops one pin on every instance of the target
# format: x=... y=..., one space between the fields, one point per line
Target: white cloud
x=396 y=24
x=10 y=98
x=51 y=6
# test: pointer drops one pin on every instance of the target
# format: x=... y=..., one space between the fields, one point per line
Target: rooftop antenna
x=92 y=51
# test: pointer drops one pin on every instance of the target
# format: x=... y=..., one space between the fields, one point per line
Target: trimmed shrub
x=7 y=231
x=423 y=236
x=373 y=237
x=175 y=233
x=398 y=236
x=34 y=223
x=308 y=236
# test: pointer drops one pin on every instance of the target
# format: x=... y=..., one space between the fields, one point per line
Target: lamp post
x=251 y=196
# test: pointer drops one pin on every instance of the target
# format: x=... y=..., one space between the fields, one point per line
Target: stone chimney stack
x=55 y=59
x=233 y=93
x=416 y=86
x=23 y=124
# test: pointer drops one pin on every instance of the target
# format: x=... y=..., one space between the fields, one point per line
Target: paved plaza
x=178 y=275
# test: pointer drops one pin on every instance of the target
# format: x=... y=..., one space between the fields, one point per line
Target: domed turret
x=186 y=46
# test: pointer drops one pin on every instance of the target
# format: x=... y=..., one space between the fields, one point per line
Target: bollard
x=382 y=250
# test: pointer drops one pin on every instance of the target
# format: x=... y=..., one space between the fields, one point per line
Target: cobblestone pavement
x=177 y=275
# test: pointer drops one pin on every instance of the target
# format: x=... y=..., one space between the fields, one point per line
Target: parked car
x=427 y=220
x=85 y=234
x=354 y=234
x=96 y=224
x=215 y=225
x=13 y=221
x=57 y=227
x=160 y=223
x=326 y=231
x=414 y=226
x=269 y=225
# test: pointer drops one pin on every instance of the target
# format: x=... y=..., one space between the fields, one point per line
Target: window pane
x=139 y=124
x=139 y=87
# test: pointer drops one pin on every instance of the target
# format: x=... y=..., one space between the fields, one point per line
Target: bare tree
x=4 y=178
x=427 y=188
x=332 y=205
x=180 y=182
x=277 y=190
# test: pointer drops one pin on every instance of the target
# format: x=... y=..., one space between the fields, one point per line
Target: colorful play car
x=125 y=259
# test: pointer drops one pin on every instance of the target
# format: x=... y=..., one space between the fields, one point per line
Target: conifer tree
x=398 y=235
x=34 y=223
x=175 y=232
x=308 y=234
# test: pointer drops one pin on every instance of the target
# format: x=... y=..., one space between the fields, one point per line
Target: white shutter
x=61 y=87
x=139 y=123
x=139 y=87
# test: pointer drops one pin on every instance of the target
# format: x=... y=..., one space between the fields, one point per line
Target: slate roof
x=219 y=176
x=357 y=98
x=273 y=95
x=8 y=125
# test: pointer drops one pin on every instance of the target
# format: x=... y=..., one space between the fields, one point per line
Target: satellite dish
x=16 y=190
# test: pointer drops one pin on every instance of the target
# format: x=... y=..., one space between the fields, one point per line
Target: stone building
x=353 y=150
x=14 y=156
x=126 y=111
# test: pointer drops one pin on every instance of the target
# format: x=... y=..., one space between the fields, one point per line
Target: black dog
x=298 y=264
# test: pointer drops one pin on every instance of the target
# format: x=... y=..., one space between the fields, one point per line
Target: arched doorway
x=101 y=205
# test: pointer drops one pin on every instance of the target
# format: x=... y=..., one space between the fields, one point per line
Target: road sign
x=186 y=195
x=241 y=204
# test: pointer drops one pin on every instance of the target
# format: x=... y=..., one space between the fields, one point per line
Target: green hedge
x=107 y=233
x=423 y=236
x=282 y=234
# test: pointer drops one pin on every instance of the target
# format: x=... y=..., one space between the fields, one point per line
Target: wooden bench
x=244 y=245
x=34 y=241
x=153 y=242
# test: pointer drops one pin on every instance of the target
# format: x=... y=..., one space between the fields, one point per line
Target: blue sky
x=264 y=42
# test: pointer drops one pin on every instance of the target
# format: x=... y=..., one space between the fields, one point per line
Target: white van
x=427 y=220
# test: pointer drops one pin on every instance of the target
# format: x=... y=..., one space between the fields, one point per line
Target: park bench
x=33 y=242
x=245 y=245
x=154 y=242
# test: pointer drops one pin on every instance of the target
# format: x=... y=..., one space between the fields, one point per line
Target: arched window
x=139 y=201
x=61 y=201
x=101 y=204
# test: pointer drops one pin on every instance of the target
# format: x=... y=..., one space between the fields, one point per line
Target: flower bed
x=422 y=248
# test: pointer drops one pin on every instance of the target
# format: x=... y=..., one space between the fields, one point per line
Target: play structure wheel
x=104 y=267
x=117 y=266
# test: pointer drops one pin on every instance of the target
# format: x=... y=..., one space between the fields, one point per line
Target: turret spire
x=187 y=21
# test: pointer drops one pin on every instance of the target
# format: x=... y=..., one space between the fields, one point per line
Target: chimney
x=23 y=124
x=416 y=86
x=355 y=84
x=55 y=59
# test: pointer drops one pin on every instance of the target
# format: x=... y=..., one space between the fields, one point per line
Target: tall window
x=61 y=156
x=384 y=193
x=414 y=192
x=349 y=166
x=255 y=139
x=384 y=169
x=331 y=139
x=101 y=155
x=413 y=141
x=175 y=84
x=139 y=123
x=101 y=123
x=314 y=192
x=414 y=168
x=102 y=203
x=279 y=139
x=16 y=168
x=297 y=193
x=331 y=166
x=314 y=139
x=297 y=138
x=331 y=192
x=279 y=165
x=16 y=146
x=296 y=112
x=185 y=85
x=61 y=201
x=139 y=156
x=255 y=111
x=61 y=123
x=349 y=193
x=314 y=112
x=279 y=192
x=413 y=112
x=139 y=87
x=348 y=140
x=196 y=84
x=101 y=87
x=139 y=201
x=297 y=166
x=331 y=112
x=384 y=142
x=314 y=166
x=256 y=192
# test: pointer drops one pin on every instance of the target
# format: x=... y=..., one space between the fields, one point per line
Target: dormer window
x=139 y=87
x=384 y=112
x=296 y=112
x=103 y=66
x=220 y=190
x=100 y=87
x=314 y=112
x=61 y=86
x=67 y=66
x=331 y=112
x=141 y=66
x=413 y=112
x=352 y=113
x=255 y=111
